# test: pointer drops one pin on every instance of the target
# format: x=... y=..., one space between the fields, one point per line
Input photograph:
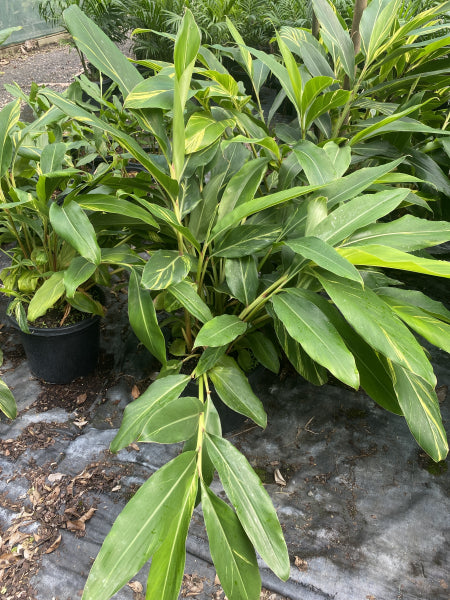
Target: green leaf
x=252 y=503
x=73 y=110
x=173 y=422
x=186 y=295
x=432 y=329
x=168 y=216
x=310 y=327
x=202 y=131
x=77 y=273
x=187 y=44
x=85 y=303
x=165 y=268
x=326 y=103
x=383 y=256
x=100 y=50
x=5 y=33
x=243 y=185
x=7 y=402
x=300 y=360
x=356 y=214
x=115 y=205
x=52 y=157
x=375 y=322
x=407 y=233
x=420 y=406
x=167 y=568
x=335 y=37
x=315 y=162
x=143 y=320
x=208 y=359
x=232 y=552
x=9 y=116
x=132 y=541
x=373 y=368
x=245 y=240
x=325 y=256
x=266 y=142
x=234 y=390
x=376 y=24
x=154 y=92
x=242 y=278
x=264 y=351
x=436 y=309
x=46 y=296
x=138 y=414
x=346 y=188
x=71 y=223
x=220 y=331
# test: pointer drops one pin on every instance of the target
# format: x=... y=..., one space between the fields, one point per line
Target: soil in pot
x=62 y=354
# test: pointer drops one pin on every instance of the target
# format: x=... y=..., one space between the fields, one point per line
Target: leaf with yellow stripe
x=164 y=268
x=420 y=407
x=377 y=324
x=429 y=327
x=381 y=256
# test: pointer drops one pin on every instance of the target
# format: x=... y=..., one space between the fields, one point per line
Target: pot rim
x=56 y=331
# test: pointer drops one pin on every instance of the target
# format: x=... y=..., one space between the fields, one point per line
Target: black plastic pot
x=61 y=354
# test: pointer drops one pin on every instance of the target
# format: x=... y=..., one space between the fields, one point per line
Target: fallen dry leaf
x=135 y=392
x=136 y=586
x=135 y=447
x=216 y=580
x=81 y=422
x=279 y=479
x=53 y=477
x=81 y=398
x=88 y=515
x=54 y=545
x=301 y=564
x=76 y=525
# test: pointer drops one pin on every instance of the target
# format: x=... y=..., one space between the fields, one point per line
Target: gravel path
x=54 y=66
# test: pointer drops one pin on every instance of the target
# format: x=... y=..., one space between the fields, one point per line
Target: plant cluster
x=259 y=242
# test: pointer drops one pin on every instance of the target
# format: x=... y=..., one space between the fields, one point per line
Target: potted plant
x=261 y=249
x=56 y=260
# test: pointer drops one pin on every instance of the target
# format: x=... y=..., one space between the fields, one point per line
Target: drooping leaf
x=132 y=541
x=264 y=351
x=420 y=407
x=375 y=322
x=172 y=422
x=242 y=278
x=7 y=403
x=167 y=568
x=46 y=296
x=300 y=360
x=77 y=273
x=232 y=552
x=187 y=296
x=165 y=268
x=137 y=414
x=72 y=224
x=310 y=327
x=252 y=503
x=115 y=205
x=220 y=330
x=381 y=256
x=234 y=390
x=143 y=320
x=432 y=329
x=373 y=368
x=415 y=298
x=325 y=256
